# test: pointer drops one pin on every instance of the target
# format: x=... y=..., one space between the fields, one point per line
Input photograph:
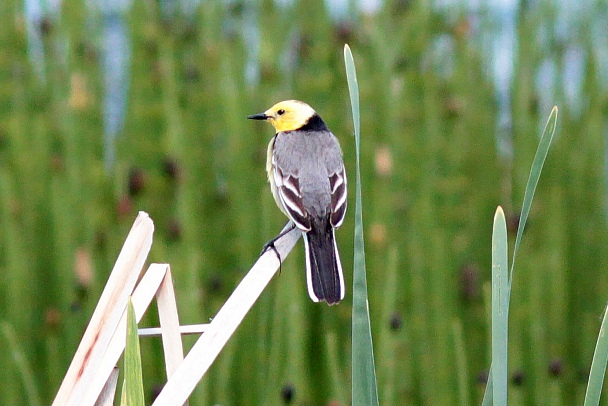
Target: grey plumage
x=312 y=158
x=311 y=182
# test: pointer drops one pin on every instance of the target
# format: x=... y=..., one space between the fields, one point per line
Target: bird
x=308 y=181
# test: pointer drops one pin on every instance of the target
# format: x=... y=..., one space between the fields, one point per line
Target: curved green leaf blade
x=533 y=178
x=133 y=388
x=364 y=387
x=598 y=365
x=535 y=170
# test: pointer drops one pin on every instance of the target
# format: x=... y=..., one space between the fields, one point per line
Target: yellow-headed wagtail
x=308 y=182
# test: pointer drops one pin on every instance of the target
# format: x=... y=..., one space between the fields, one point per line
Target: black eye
x=280 y=112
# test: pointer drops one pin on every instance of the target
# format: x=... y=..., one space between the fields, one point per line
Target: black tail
x=323 y=268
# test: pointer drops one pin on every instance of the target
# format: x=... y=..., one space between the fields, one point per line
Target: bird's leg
x=270 y=244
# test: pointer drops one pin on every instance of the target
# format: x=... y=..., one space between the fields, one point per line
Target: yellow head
x=287 y=115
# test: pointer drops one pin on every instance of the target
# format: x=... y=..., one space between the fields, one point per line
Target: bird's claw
x=270 y=245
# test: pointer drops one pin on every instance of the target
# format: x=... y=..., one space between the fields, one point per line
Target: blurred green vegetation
x=431 y=175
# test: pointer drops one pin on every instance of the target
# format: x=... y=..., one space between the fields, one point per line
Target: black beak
x=260 y=116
